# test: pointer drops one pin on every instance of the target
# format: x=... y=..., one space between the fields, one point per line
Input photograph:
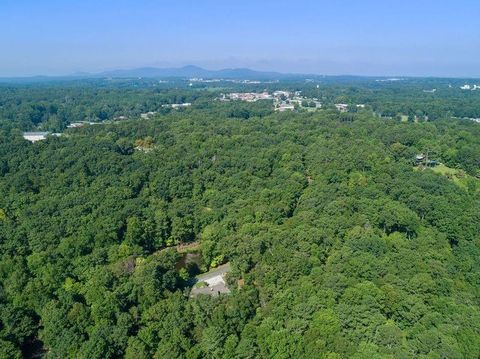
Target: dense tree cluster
x=343 y=249
x=54 y=106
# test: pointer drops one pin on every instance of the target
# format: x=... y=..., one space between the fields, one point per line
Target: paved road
x=220 y=270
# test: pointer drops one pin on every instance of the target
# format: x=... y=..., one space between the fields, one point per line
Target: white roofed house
x=420 y=157
x=147 y=115
x=342 y=107
x=76 y=125
x=35 y=136
x=212 y=283
x=179 y=105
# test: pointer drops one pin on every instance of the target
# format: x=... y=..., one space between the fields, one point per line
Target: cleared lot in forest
x=212 y=283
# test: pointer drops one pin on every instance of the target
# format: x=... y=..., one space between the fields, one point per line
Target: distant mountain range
x=187 y=72
x=191 y=71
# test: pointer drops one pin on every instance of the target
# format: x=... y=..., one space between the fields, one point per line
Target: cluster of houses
x=289 y=101
x=246 y=96
x=282 y=100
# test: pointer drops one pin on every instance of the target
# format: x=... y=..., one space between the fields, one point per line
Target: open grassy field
x=459 y=177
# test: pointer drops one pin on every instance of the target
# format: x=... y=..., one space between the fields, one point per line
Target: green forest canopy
x=345 y=249
x=55 y=104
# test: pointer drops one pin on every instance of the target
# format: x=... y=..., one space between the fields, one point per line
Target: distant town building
x=35 y=136
x=281 y=93
x=285 y=107
x=147 y=115
x=389 y=80
x=180 y=105
x=470 y=87
x=76 y=125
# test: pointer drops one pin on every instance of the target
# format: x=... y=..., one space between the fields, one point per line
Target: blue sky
x=368 y=37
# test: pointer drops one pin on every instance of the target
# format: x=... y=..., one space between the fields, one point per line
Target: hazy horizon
x=371 y=38
x=93 y=74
